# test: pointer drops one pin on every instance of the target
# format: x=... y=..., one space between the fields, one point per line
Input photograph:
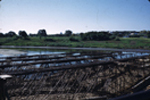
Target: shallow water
x=41 y=52
x=28 y=52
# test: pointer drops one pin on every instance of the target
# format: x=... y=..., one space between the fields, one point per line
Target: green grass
x=124 y=43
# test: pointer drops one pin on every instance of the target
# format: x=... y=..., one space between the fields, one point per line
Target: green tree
x=23 y=34
x=1 y=35
x=68 y=33
x=10 y=34
x=42 y=32
x=143 y=31
x=148 y=34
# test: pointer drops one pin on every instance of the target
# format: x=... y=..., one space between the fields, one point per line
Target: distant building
x=135 y=33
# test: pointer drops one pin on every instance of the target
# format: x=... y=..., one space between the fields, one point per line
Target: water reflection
x=118 y=55
x=42 y=52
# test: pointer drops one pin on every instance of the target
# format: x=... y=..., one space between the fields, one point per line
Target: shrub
x=117 y=39
x=134 y=36
x=26 y=38
x=73 y=39
x=148 y=34
x=50 y=40
x=98 y=36
x=16 y=38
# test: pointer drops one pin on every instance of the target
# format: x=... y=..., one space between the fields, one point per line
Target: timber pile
x=74 y=75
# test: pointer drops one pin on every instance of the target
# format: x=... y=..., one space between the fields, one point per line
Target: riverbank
x=73 y=48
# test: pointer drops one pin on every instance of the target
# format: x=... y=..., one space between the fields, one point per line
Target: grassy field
x=125 y=43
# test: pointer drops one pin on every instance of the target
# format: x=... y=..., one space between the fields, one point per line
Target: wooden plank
x=47 y=62
x=39 y=70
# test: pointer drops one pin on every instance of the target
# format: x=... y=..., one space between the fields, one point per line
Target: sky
x=57 y=16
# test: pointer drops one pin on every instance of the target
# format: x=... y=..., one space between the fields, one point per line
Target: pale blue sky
x=77 y=15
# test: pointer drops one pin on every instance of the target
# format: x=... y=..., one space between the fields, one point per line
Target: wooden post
x=2 y=95
x=3 y=91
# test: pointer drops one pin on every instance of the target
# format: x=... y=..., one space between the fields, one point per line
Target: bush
x=26 y=38
x=73 y=39
x=50 y=40
x=148 y=34
x=134 y=36
x=112 y=37
x=16 y=38
x=98 y=36
x=117 y=39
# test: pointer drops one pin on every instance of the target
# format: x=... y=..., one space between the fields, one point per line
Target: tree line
x=41 y=32
x=23 y=34
x=92 y=35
